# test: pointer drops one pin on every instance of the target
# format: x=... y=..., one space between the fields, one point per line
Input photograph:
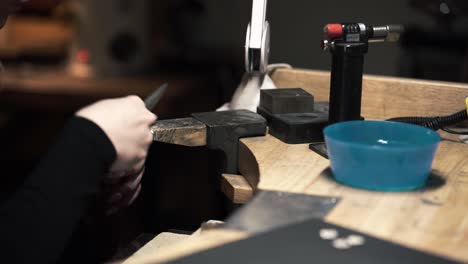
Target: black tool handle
x=346 y=81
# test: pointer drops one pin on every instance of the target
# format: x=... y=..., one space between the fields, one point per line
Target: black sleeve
x=38 y=220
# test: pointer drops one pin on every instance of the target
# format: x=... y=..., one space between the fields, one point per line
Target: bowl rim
x=431 y=134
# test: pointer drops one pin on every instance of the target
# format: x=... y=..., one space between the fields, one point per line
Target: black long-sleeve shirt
x=37 y=222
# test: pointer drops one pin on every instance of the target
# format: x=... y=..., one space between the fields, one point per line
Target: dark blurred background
x=58 y=58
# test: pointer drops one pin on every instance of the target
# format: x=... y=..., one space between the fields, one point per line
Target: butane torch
x=348 y=43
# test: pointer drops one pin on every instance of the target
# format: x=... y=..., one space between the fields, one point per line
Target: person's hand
x=121 y=192
x=126 y=122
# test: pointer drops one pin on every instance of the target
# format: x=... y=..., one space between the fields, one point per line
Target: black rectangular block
x=299 y=128
x=285 y=101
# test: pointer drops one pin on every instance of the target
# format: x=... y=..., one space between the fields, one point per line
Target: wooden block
x=236 y=188
x=183 y=131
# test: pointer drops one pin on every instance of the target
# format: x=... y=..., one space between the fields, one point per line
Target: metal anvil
x=216 y=130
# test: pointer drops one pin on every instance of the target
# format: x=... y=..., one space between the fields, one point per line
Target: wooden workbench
x=434 y=219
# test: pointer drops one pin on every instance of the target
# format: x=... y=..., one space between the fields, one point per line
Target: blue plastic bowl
x=381 y=155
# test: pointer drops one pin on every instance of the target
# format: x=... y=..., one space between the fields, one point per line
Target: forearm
x=38 y=221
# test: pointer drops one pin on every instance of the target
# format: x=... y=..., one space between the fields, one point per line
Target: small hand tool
x=153 y=99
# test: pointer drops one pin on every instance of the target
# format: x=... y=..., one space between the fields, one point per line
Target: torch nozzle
x=390 y=33
x=355 y=32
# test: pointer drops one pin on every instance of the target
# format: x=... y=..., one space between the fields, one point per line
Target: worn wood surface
x=157 y=244
x=236 y=188
x=384 y=97
x=182 y=131
x=206 y=240
x=433 y=219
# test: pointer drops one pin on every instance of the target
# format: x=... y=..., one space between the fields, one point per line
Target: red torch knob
x=333 y=31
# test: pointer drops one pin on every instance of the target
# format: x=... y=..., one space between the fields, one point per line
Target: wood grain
x=433 y=219
x=209 y=239
x=182 y=131
x=236 y=188
x=159 y=243
x=384 y=97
